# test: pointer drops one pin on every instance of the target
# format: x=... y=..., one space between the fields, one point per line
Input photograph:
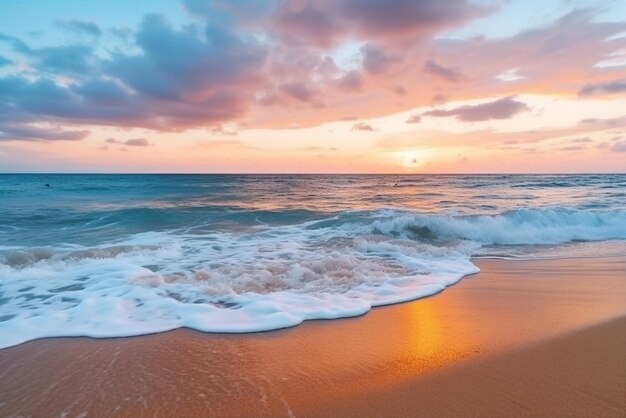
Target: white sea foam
x=261 y=278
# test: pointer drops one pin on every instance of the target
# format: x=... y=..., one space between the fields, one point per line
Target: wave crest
x=518 y=227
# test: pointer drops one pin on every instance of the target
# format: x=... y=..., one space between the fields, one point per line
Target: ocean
x=122 y=255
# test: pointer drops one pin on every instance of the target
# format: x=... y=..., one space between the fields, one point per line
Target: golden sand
x=522 y=338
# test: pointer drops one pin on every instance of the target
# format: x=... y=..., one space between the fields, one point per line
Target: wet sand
x=522 y=338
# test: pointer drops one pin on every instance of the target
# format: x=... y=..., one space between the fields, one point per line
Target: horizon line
x=311 y=173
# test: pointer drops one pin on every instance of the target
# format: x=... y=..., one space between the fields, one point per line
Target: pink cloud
x=274 y=67
x=351 y=81
x=490 y=137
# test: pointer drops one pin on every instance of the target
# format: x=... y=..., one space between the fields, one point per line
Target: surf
x=261 y=276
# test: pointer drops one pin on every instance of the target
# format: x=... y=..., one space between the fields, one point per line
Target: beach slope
x=521 y=338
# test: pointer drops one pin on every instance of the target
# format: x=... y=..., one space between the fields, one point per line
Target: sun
x=412 y=160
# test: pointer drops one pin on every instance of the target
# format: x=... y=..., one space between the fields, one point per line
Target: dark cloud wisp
x=503 y=108
x=79 y=26
x=610 y=87
x=362 y=126
x=448 y=74
x=25 y=132
x=134 y=142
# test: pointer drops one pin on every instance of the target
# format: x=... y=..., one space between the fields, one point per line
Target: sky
x=313 y=86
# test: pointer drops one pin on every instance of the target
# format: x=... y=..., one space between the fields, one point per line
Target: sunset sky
x=376 y=86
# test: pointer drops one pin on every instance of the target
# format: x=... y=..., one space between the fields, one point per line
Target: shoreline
x=510 y=308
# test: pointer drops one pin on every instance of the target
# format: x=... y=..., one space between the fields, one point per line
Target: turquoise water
x=114 y=255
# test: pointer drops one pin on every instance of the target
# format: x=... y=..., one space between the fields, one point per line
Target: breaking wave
x=263 y=276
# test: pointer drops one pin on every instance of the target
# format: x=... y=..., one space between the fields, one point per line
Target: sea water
x=121 y=255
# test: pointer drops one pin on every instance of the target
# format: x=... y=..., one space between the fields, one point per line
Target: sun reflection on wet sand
x=428 y=336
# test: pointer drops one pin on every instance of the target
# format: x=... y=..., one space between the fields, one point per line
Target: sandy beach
x=313 y=209
x=521 y=338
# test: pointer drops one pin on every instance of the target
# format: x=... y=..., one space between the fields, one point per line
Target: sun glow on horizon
x=413 y=160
